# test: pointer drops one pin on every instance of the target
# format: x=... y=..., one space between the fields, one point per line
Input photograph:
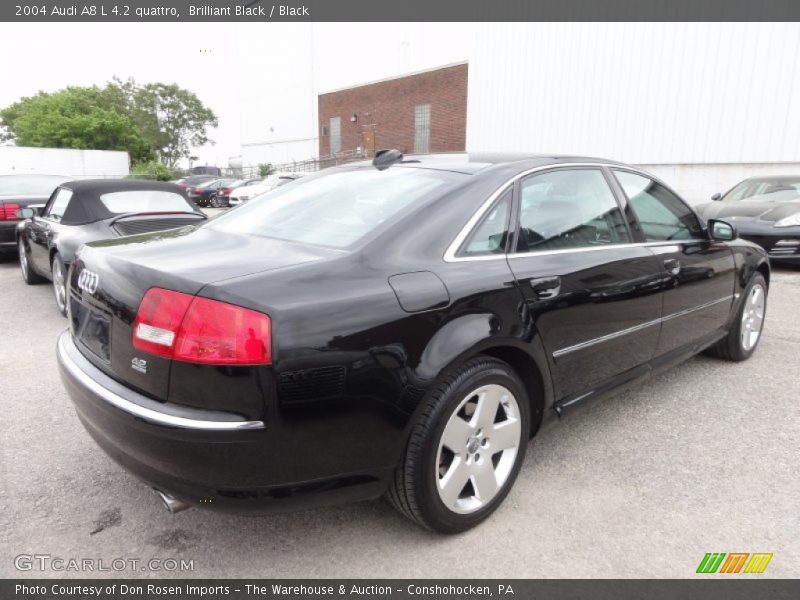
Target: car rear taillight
x=200 y=330
x=8 y=212
x=227 y=191
x=198 y=190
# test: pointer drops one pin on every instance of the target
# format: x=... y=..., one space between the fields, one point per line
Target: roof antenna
x=386 y=158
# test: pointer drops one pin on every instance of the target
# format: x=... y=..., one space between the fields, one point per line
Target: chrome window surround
x=142 y=412
x=452 y=249
x=635 y=328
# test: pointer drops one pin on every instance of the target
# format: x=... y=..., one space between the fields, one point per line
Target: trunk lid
x=109 y=280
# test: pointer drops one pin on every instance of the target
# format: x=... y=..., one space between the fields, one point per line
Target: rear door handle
x=545 y=288
x=672 y=265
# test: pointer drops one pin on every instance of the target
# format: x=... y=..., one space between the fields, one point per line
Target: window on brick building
x=335 y=129
x=422 y=128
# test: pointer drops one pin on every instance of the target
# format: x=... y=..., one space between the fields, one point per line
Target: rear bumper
x=8 y=236
x=205 y=458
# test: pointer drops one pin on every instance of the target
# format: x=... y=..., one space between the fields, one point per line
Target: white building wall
x=22 y=160
x=657 y=94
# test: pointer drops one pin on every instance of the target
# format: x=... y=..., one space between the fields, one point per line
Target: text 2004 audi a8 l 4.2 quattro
x=397 y=327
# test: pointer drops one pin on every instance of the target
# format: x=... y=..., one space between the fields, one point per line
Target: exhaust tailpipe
x=173 y=505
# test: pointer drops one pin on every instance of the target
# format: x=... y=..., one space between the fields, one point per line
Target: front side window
x=490 y=236
x=144 y=201
x=662 y=215
x=59 y=204
x=568 y=208
x=335 y=209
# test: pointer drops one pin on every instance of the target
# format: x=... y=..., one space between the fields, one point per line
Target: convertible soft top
x=86 y=207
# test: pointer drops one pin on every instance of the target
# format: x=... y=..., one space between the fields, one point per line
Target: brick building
x=417 y=113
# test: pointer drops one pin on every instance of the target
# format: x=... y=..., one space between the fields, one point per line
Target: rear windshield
x=30 y=185
x=336 y=209
x=144 y=201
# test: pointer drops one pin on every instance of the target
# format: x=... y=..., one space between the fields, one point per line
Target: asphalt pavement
x=704 y=458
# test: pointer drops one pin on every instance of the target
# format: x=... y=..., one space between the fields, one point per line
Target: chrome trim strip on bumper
x=635 y=328
x=146 y=414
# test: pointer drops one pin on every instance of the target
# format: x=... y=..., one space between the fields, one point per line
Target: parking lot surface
x=701 y=459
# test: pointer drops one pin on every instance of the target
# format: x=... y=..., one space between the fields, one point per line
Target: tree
x=154 y=120
x=172 y=119
x=76 y=117
x=152 y=169
x=266 y=169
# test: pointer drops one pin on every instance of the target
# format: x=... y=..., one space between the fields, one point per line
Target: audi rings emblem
x=88 y=281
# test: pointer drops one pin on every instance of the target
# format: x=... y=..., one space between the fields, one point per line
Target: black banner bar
x=397 y=10
x=729 y=588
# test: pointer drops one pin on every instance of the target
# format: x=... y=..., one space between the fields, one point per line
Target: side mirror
x=716 y=197
x=721 y=231
x=25 y=213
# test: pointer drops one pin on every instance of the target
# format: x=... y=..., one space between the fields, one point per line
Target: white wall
x=58 y=161
x=648 y=93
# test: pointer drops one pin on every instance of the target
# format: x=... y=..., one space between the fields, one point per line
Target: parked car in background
x=764 y=210
x=194 y=180
x=395 y=327
x=85 y=211
x=17 y=192
x=204 y=193
x=241 y=195
x=206 y=170
x=223 y=196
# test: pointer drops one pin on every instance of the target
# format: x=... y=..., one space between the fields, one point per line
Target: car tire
x=745 y=333
x=215 y=202
x=60 y=284
x=30 y=276
x=427 y=485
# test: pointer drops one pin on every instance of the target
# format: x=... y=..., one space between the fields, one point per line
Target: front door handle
x=673 y=266
x=545 y=288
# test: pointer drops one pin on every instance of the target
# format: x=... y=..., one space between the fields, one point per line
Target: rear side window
x=569 y=208
x=490 y=236
x=144 y=201
x=662 y=215
x=335 y=209
x=59 y=204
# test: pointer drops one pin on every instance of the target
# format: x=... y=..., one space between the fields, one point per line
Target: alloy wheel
x=753 y=317
x=477 y=449
x=59 y=285
x=23 y=259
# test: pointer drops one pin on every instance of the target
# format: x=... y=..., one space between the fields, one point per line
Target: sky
x=221 y=62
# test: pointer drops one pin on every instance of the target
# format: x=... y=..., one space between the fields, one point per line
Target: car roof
x=774 y=178
x=473 y=162
x=89 y=207
x=95 y=187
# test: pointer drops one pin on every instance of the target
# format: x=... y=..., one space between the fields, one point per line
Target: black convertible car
x=400 y=327
x=18 y=192
x=84 y=211
x=765 y=210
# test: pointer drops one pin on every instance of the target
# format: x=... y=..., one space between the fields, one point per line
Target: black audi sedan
x=765 y=210
x=400 y=327
x=84 y=211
